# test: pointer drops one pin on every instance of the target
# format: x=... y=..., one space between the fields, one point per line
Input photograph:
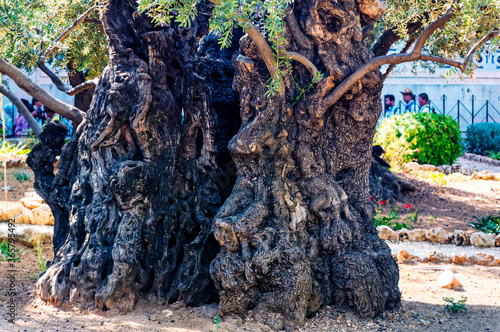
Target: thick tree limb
x=379 y=61
x=66 y=33
x=25 y=83
x=303 y=60
x=37 y=129
x=389 y=37
x=298 y=35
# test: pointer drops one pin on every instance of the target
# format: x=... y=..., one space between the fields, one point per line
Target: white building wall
x=485 y=87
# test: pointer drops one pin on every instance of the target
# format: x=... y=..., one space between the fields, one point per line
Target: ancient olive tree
x=137 y=199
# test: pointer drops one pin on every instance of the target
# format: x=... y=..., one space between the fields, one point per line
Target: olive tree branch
x=66 y=33
x=303 y=60
x=53 y=77
x=377 y=62
x=37 y=129
x=267 y=55
x=404 y=50
x=25 y=83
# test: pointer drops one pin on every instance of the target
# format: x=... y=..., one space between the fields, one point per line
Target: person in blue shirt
x=10 y=113
x=409 y=100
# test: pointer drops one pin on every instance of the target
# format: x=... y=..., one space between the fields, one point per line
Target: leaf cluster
x=27 y=31
x=473 y=20
x=489 y=224
x=455 y=307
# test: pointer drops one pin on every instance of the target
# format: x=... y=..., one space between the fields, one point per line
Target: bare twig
x=37 y=129
x=66 y=33
x=25 y=83
x=303 y=60
x=480 y=43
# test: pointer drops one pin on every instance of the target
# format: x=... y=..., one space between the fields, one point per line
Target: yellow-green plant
x=423 y=137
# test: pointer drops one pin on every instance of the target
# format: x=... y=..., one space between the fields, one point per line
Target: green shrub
x=22 y=176
x=488 y=224
x=483 y=137
x=423 y=137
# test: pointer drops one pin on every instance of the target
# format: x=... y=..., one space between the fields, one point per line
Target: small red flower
x=408 y=206
x=372 y=198
x=417 y=150
x=382 y=202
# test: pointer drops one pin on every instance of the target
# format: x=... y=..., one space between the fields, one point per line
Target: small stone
x=497 y=241
x=429 y=168
x=480 y=239
x=411 y=167
x=459 y=259
x=386 y=233
x=168 y=313
x=403 y=255
x=448 y=280
x=465 y=170
x=25 y=217
x=446 y=169
x=416 y=235
x=437 y=235
x=459 y=238
x=485 y=260
x=11 y=211
x=437 y=257
x=42 y=216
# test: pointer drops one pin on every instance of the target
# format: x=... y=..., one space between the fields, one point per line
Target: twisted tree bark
x=134 y=194
x=139 y=189
x=297 y=231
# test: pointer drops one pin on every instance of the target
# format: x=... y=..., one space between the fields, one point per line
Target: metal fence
x=466 y=113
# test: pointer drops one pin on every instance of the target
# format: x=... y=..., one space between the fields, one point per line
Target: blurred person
x=409 y=99
x=38 y=112
x=423 y=102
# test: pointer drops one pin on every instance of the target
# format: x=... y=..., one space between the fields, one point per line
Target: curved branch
x=389 y=37
x=379 y=61
x=37 y=129
x=66 y=33
x=303 y=60
x=62 y=87
x=25 y=83
x=419 y=44
x=267 y=54
x=404 y=50
x=480 y=43
x=82 y=87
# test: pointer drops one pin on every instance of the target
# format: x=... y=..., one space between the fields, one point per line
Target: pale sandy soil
x=422 y=308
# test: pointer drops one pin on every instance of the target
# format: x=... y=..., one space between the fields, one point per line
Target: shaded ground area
x=422 y=308
x=451 y=206
x=17 y=189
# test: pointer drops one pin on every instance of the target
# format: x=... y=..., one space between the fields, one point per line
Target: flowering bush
x=390 y=219
x=423 y=137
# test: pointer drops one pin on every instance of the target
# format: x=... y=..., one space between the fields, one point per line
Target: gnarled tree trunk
x=138 y=191
x=134 y=194
x=297 y=231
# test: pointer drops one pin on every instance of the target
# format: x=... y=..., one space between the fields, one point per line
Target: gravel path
x=475 y=165
x=422 y=249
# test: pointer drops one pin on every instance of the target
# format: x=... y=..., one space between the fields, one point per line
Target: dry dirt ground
x=448 y=206
x=423 y=308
